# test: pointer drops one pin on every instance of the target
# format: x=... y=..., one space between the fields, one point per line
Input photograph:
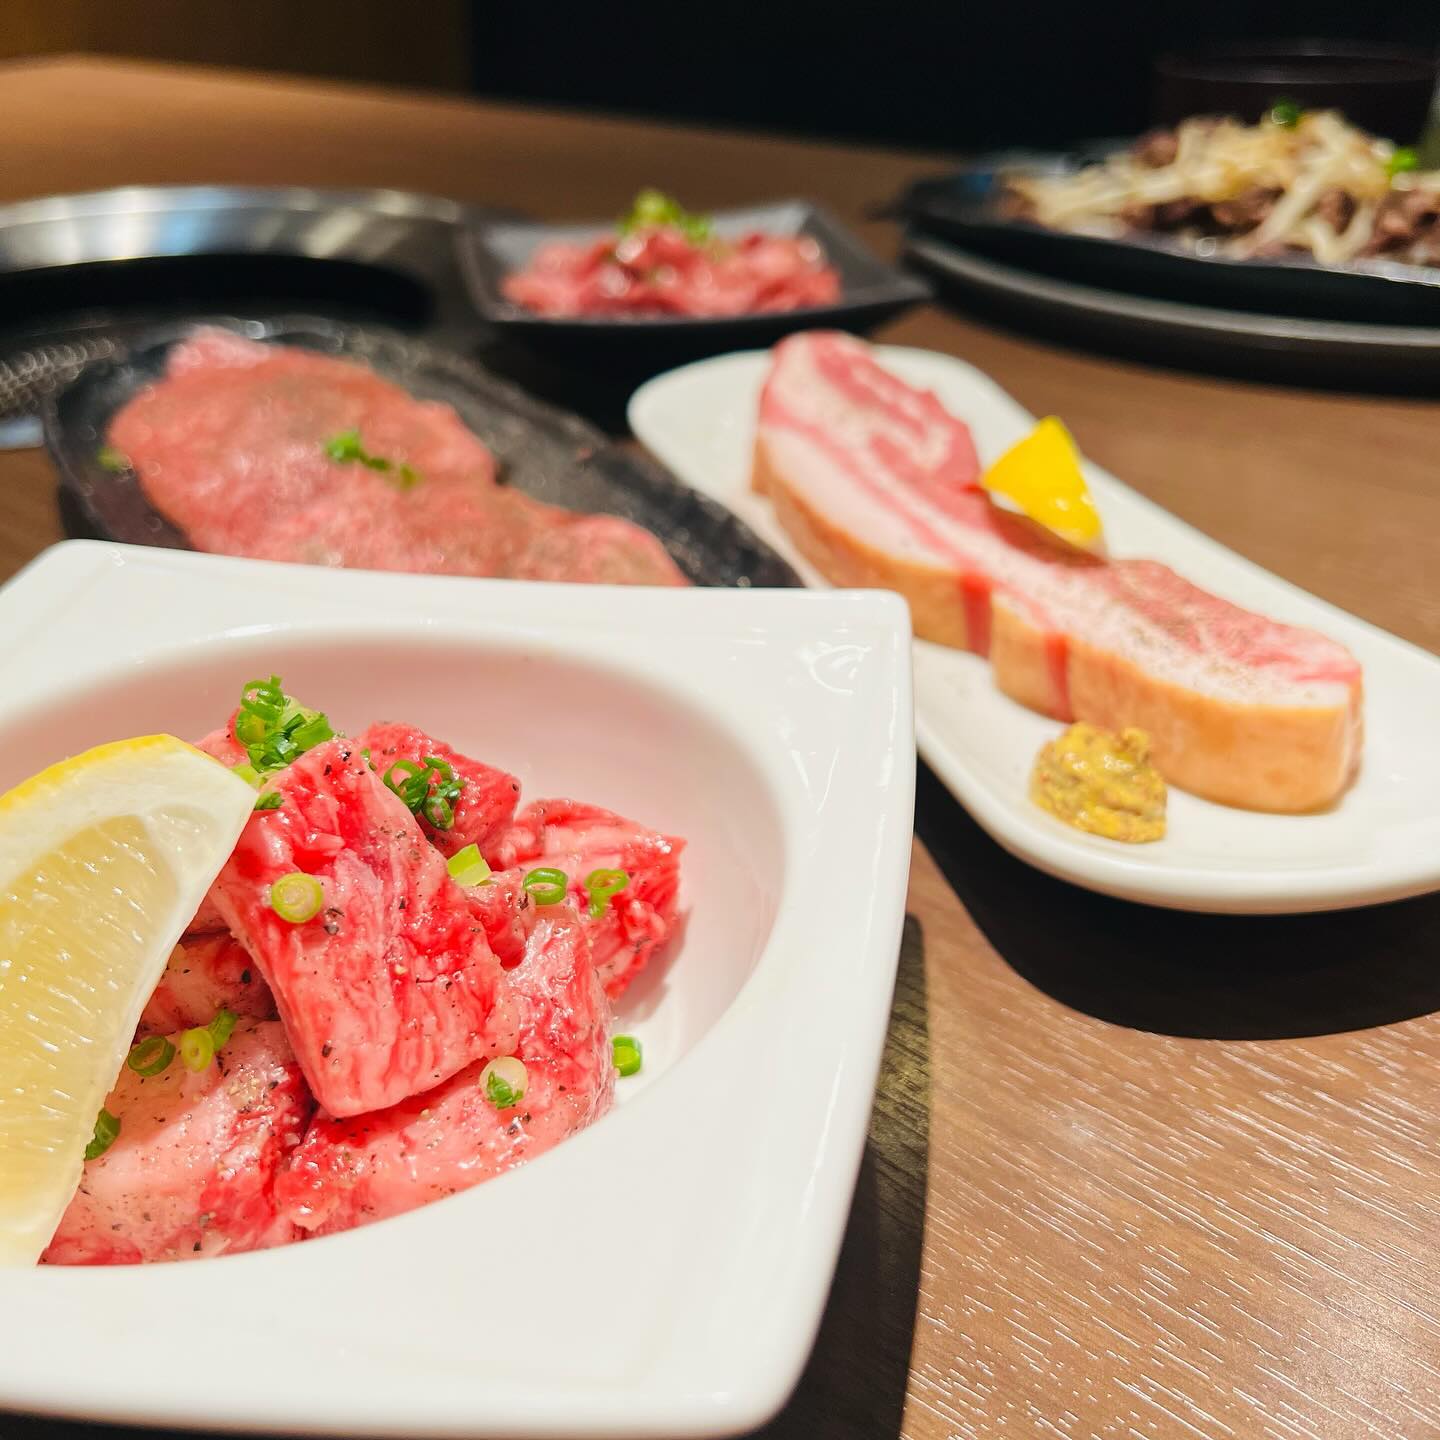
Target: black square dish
x=870 y=291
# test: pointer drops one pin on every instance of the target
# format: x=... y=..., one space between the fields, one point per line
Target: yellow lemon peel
x=1041 y=475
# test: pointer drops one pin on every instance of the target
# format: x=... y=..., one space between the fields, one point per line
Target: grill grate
x=31 y=372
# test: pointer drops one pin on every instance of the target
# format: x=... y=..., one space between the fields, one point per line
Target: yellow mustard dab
x=1041 y=474
x=1102 y=783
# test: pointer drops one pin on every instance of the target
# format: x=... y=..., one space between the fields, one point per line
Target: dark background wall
x=943 y=74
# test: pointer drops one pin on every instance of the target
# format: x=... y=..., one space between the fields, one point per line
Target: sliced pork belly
x=391 y=987
x=875 y=483
x=192 y=1172
x=351 y=1172
x=487 y=801
x=579 y=839
x=206 y=974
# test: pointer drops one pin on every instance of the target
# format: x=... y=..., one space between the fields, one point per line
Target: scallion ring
x=401 y=778
x=151 y=1056
x=602 y=886
x=248 y=773
x=197 y=1048
x=297 y=897
x=313 y=730
x=468 y=867
x=546 y=886
x=222 y=1027
x=438 y=812
x=627 y=1054
x=273 y=801
x=504 y=1080
x=107 y=1128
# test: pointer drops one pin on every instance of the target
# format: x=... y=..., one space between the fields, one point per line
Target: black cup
x=1386 y=89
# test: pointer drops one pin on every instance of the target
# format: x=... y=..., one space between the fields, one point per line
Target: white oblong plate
x=1380 y=842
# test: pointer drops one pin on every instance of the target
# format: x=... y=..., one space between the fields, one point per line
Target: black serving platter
x=964 y=208
x=871 y=292
x=544 y=451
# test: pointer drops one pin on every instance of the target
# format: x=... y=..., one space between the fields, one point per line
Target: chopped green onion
x=602 y=885
x=627 y=1054
x=1286 y=113
x=504 y=1080
x=274 y=728
x=297 y=897
x=546 y=886
x=468 y=867
x=197 y=1048
x=655 y=208
x=263 y=698
x=248 y=773
x=1402 y=159
x=273 y=801
x=411 y=782
x=151 y=1056
x=107 y=1127
x=222 y=1027
x=107 y=457
x=313 y=730
x=347 y=446
x=438 y=812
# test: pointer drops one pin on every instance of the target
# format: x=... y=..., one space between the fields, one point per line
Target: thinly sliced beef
x=192 y=1172
x=488 y=798
x=237 y=446
x=391 y=987
x=206 y=974
x=579 y=839
x=351 y=1172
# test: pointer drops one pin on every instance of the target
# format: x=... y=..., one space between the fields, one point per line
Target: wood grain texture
x=1130 y=1173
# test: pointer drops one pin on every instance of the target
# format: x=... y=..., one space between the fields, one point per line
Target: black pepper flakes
x=325 y=1050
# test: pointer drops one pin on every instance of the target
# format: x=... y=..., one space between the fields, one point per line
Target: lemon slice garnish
x=103 y=860
x=1041 y=476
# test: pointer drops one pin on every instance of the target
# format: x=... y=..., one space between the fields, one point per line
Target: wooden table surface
x=1131 y=1173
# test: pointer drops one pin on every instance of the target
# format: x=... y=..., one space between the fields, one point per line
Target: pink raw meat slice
x=487 y=802
x=192 y=1172
x=352 y=1172
x=206 y=974
x=579 y=839
x=223 y=746
x=234 y=445
x=391 y=987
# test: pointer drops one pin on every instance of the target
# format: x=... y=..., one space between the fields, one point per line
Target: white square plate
x=662 y=1273
x=1380 y=842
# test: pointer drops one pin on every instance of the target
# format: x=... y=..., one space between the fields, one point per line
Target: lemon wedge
x=103 y=860
x=1041 y=475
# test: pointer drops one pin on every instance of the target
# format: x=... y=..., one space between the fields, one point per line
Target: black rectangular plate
x=870 y=291
x=544 y=451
